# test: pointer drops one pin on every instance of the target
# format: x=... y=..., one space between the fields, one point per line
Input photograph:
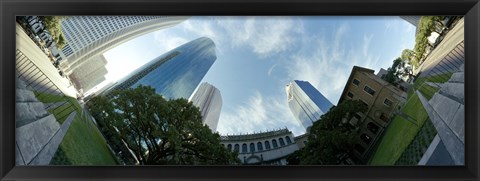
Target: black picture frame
x=10 y=8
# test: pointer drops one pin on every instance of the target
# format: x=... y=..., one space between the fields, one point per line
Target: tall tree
x=158 y=131
x=332 y=137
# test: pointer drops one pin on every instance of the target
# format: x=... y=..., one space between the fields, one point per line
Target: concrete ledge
x=46 y=154
x=426 y=156
x=444 y=106
x=24 y=95
x=27 y=112
x=453 y=144
x=457 y=77
x=455 y=90
x=32 y=137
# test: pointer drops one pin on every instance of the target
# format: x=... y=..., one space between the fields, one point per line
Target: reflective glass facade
x=306 y=103
x=176 y=73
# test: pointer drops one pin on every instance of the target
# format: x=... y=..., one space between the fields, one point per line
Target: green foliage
x=158 y=131
x=54 y=26
x=426 y=26
x=400 y=133
x=331 y=137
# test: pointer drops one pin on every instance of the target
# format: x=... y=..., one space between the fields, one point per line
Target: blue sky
x=258 y=56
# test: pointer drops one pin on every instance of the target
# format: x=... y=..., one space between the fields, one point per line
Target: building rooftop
x=254 y=136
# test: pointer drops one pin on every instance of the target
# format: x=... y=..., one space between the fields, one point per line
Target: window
x=305 y=143
x=282 y=143
x=289 y=141
x=252 y=147
x=369 y=90
x=229 y=147
x=267 y=145
x=244 y=148
x=356 y=82
x=372 y=127
x=387 y=102
x=365 y=138
x=237 y=148
x=350 y=94
x=365 y=103
x=357 y=116
x=274 y=143
x=259 y=146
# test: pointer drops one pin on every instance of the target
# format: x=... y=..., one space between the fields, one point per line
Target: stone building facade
x=265 y=148
x=382 y=100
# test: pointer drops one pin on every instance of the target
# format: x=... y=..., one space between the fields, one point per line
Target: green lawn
x=61 y=113
x=49 y=98
x=83 y=145
x=400 y=133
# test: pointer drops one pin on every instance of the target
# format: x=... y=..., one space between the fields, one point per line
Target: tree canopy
x=425 y=27
x=331 y=138
x=158 y=131
x=54 y=26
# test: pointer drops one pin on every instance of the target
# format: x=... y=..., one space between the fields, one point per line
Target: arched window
x=274 y=143
x=244 y=148
x=372 y=127
x=259 y=146
x=305 y=143
x=289 y=141
x=267 y=145
x=282 y=143
x=229 y=147
x=237 y=148
x=365 y=138
x=252 y=147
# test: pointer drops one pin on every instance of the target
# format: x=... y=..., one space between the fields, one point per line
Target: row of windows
x=260 y=145
x=370 y=91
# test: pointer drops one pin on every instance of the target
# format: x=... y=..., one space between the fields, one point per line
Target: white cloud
x=265 y=36
x=327 y=68
x=168 y=41
x=366 y=43
x=269 y=73
x=257 y=114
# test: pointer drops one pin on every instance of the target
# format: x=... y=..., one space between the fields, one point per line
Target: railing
x=45 y=90
x=430 y=81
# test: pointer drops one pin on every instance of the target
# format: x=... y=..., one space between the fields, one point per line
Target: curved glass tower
x=176 y=73
x=306 y=103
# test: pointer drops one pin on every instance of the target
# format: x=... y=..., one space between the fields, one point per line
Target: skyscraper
x=306 y=103
x=90 y=74
x=209 y=100
x=412 y=19
x=91 y=36
x=176 y=73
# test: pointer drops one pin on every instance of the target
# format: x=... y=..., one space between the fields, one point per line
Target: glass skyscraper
x=209 y=100
x=306 y=103
x=176 y=73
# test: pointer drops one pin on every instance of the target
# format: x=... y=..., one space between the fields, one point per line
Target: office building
x=88 y=75
x=209 y=100
x=414 y=20
x=91 y=36
x=176 y=73
x=306 y=103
